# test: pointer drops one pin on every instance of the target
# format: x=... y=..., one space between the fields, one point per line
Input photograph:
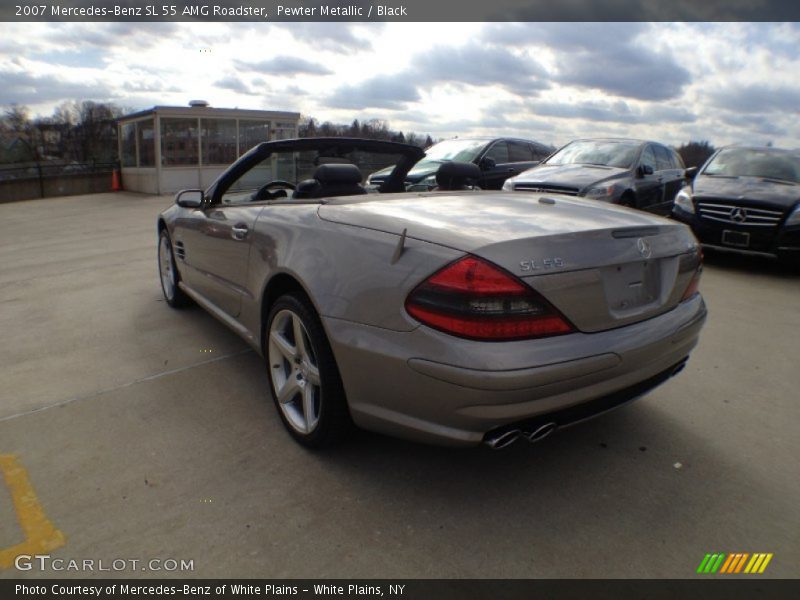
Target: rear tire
x=168 y=273
x=304 y=379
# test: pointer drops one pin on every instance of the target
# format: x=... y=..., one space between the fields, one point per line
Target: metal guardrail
x=30 y=170
x=22 y=181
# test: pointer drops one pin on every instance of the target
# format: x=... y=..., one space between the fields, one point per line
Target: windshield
x=749 y=162
x=458 y=150
x=588 y=152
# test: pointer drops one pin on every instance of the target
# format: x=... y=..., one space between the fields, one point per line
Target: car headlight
x=508 y=185
x=794 y=217
x=423 y=185
x=684 y=201
x=600 y=192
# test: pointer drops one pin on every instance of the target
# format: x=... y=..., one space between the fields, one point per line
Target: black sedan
x=746 y=199
x=635 y=173
x=497 y=158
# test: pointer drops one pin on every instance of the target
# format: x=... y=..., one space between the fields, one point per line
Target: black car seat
x=331 y=180
x=454 y=175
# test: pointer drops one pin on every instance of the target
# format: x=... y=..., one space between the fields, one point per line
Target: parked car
x=746 y=199
x=498 y=159
x=635 y=173
x=463 y=318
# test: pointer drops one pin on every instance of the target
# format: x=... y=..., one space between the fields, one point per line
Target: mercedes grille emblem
x=644 y=248
x=738 y=214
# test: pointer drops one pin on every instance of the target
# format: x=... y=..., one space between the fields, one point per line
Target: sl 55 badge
x=539 y=264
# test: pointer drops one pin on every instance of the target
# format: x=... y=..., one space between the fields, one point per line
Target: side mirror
x=487 y=164
x=189 y=198
x=690 y=173
x=643 y=170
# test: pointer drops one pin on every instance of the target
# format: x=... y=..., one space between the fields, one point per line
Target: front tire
x=168 y=273
x=304 y=379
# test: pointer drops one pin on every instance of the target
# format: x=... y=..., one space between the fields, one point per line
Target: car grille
x=544 y=187
x=739 y=215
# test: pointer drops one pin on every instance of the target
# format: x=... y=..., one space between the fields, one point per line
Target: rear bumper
x=428 y=386
x=586 y=410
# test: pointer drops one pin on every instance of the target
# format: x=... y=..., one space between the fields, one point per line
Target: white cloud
x=724 y=82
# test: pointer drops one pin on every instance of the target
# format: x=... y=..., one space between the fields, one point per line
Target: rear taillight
x=475 y=299
x=694 y=285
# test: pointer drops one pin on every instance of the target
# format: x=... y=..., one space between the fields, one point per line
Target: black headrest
x=454 y=174
x=331 y=160
x=306 y=189
x=337 y=174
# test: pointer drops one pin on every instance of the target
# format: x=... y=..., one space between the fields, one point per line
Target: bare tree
x=18 y=135
x=694 y=154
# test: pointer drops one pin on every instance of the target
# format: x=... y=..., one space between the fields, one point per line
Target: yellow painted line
x=765 y=563
x=41 y=536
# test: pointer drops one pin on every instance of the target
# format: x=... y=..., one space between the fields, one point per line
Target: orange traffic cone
x=116 y=184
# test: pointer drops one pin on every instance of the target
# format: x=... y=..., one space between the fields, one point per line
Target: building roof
x=209 y=111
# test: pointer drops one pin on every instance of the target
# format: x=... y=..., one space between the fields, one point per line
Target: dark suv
x=636 y=173
x=497 y=158
x=746 y=199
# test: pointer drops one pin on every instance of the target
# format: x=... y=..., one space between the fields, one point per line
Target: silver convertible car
x=453 y=316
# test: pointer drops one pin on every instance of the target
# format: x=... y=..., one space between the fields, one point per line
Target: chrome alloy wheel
x=295 y=371
x=165 y=268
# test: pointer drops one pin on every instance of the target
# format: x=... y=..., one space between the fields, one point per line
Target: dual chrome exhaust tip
x=503 y=438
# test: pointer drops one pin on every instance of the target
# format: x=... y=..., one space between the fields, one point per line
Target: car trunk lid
x=602 y=266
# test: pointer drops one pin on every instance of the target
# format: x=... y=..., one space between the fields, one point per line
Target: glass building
x=169 y=148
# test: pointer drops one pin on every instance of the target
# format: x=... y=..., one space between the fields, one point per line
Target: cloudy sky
x=726 y=82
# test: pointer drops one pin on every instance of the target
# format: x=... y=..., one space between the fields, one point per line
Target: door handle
x=239 y=231
x=512 y=170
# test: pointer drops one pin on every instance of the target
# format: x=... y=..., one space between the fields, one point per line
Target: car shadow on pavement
x=635 y=480
x=749 y=263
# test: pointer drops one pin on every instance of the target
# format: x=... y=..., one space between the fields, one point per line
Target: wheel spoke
x=308 y=407
x=283 y=345
x=289 y=390
x=299 y=339
x=312 y=374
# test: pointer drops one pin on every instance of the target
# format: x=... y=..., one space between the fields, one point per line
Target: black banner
x=733 y=588
x=397 y=11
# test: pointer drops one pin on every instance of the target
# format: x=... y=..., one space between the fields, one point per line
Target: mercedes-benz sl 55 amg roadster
x=452 y=316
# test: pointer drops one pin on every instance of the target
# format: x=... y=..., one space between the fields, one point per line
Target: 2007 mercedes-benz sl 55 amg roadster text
x=454 y=316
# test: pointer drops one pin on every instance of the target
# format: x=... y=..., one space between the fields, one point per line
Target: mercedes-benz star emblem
x=644 y=248
x=738 y=214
